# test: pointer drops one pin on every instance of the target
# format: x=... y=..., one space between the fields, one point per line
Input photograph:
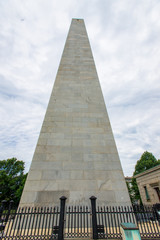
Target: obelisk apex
x=76 y=155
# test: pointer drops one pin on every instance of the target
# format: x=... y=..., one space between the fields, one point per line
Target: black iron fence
x=109 y=220
x=30 y=223
x=77 y=221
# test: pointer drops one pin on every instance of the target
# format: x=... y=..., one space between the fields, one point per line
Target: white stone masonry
x=76 y=155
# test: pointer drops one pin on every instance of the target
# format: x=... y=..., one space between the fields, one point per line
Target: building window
x=158 y=192
x=146 y=192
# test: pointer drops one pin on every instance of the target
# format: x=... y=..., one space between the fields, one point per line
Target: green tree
x=146 y=161
x=12 y=179
x=130 y=191
x=135 y=192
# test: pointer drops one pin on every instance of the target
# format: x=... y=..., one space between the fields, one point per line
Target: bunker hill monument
x=76 y=155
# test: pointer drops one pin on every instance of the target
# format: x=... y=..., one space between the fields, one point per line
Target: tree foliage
x=136 y=198
x=130 y=191
x=146 y=161
x=12 y=179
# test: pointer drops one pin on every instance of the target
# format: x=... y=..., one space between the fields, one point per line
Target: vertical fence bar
x=61 y=219
x=22 y=221
x=77 y=220
x=105 y=221
x=94 y=217
x=81 y=212
x=133 y=215
x=38 y=223
x=146 y=218
x=26 y=220
x=156 y=223
x=118 y=221
x=98 y=216
x=111 y=214
x=12 y=215
x=84 y=222
x=102 y=227
x=32 y=220
x=69 y=220
x=49 y=221
x=152 y=223
x=143 y=220
x=15 y=222
x=72 y=220
x=108 y=220
x=57 y=211
x=43 y=220
x=87 y=223
x=46 y=222
x=3 y=216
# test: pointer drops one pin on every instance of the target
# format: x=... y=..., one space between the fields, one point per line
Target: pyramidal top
x=76 y=155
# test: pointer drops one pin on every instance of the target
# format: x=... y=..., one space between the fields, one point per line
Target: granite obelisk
x=76 y=155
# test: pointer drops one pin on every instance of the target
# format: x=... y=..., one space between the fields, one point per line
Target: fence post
x=61 y=218
x=94 y=218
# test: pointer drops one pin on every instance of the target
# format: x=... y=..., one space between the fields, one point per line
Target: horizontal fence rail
x=110 y=218
x=148 y=221
x=77 y=222
x=30 y=223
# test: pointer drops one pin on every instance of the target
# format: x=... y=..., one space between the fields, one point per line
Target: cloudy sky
x=125 y=41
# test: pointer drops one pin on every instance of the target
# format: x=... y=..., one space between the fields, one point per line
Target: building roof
x=148 y=171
